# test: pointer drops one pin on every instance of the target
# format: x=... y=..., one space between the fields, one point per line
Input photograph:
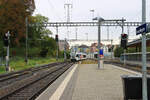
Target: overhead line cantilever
x=75 y=24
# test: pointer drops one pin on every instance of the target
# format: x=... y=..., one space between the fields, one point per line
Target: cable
x=51 y=4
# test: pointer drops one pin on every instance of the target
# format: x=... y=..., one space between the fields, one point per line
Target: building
x=84 y=48
x=94 y=47
x=62 y=44
x=137 y=44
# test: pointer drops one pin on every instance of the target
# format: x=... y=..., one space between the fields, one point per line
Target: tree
x=12 y=17
x=39 y=36
x=47 y=45
x=38 y=32
x=118 y=51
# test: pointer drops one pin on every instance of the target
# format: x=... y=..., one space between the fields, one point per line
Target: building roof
x=137 y=42
x=83 y=46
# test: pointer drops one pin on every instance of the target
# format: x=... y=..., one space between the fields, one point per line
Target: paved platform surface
x=87 y=82
x=95 y=84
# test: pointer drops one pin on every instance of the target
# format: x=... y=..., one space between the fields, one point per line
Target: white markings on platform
x=127 y=70
x=57 y=94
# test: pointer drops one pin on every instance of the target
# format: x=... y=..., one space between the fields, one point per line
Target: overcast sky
x=108 y=9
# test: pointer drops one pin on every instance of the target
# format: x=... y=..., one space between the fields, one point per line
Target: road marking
x=124 y=69
x=59 y=91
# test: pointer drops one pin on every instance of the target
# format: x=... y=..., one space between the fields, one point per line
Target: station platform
x=87 y=82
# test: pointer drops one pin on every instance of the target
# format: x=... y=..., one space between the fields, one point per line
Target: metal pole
x=144 y=70
x=108 y=33
x=76 y=33
x=123 y=33
x=92 y=11
x=99 y=33
x=124 y=57
x=86 y=36
x=65 y=50
x=57 y=45
x=128 y=31
x=7 y=57
x=111 y=49
x=26 y=59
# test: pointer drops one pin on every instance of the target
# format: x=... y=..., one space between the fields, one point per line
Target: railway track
x=33 y=84
x=7 y=79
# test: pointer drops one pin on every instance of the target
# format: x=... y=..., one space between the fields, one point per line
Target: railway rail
x=31 y=82
x=9 y=78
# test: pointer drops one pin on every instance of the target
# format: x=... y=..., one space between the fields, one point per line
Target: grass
x=89 y=62
x=19 y=63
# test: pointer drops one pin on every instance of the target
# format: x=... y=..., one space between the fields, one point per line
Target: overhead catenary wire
x=56 y=14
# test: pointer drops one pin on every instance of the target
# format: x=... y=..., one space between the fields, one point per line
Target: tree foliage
x=118 y=51
x=38 y=32
x=12 y=17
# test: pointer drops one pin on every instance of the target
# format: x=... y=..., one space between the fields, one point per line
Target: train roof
x=80 y=53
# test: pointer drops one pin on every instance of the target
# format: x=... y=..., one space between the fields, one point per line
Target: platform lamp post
x=100 y=20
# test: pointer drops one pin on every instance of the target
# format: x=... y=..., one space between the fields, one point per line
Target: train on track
x=78 y=56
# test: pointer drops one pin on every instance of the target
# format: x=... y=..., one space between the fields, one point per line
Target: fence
x=1 y=61
x=134 y=56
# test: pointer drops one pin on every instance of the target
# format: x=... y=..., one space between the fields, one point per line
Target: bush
x=68 y=54
x=131 y=50
x=34 y=52
x=118 y=51
x=44 y=52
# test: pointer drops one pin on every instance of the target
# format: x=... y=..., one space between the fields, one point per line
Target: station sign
x=101 y=52
x=145 y=28
x=141 y=29
x=148 y=28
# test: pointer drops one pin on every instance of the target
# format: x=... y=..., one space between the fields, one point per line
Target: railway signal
x=124 y=39
x=5 y=40
x=6 y=43
x=56 y=37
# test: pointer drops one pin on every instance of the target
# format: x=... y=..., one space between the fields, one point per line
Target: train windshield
x=77 y=55
x=84 y=56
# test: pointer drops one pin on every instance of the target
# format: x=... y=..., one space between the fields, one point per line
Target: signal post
x=124 y=40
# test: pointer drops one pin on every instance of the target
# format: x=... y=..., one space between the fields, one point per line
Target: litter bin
x=132 y=86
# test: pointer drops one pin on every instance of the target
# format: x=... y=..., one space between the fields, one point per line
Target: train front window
x=77 y=55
